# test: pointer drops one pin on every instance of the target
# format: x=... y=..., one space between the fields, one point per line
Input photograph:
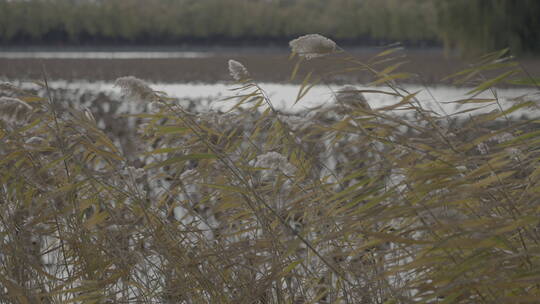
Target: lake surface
x=209 y=65
x=112 y=55
x=283 y=96
x=202 y=74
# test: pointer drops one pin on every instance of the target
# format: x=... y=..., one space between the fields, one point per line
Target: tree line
x=474 y=24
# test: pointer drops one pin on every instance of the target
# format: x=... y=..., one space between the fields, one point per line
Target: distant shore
x=209 y=64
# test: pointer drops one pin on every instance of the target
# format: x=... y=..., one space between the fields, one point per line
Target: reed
x=349 y=203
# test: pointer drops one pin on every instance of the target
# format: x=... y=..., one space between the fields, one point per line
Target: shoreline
x=169 y=65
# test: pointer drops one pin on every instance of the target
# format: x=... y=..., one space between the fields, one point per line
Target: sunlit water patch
x=439 y=99
x=102 y=55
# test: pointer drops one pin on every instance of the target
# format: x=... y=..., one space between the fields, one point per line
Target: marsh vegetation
x=471 y=26
x=151 y=199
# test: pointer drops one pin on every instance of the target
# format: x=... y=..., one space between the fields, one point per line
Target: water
x=201 y=74
x=283 y=96
x=102 y=55
x=209 y=65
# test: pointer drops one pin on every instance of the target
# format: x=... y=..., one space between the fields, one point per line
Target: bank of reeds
x=349 y=203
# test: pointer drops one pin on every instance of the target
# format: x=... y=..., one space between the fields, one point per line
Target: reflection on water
x=102 y=55
x=437 y=99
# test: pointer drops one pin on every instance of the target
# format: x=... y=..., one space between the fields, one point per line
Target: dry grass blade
x=337 y=204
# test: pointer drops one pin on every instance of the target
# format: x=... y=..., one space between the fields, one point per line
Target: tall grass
x=150 y=22
x=349 y=203
x=470 y=26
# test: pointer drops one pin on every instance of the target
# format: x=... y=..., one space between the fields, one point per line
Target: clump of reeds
x=238 y=71
x=344 y=208
x=312 y=46
x=134 y=87
x=13 y=109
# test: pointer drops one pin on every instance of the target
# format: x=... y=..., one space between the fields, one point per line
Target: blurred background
x=191 y=40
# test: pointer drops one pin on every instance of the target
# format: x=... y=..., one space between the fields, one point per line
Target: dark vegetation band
x=472 y=26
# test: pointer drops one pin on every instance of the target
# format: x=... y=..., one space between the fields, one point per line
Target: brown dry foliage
x=194 y=209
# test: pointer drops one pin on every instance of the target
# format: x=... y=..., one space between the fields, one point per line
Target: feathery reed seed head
x=88 y=114
x=294 y=122
x=34 y=140
x=156 y=106
x=274 y=161
x=133 y=172
x=237 y=70
x=6 y=86
x=483 y=148
x=312 y=46
x=134 y=87
x=504 y=137
x=13 y=109
x=350 y=96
